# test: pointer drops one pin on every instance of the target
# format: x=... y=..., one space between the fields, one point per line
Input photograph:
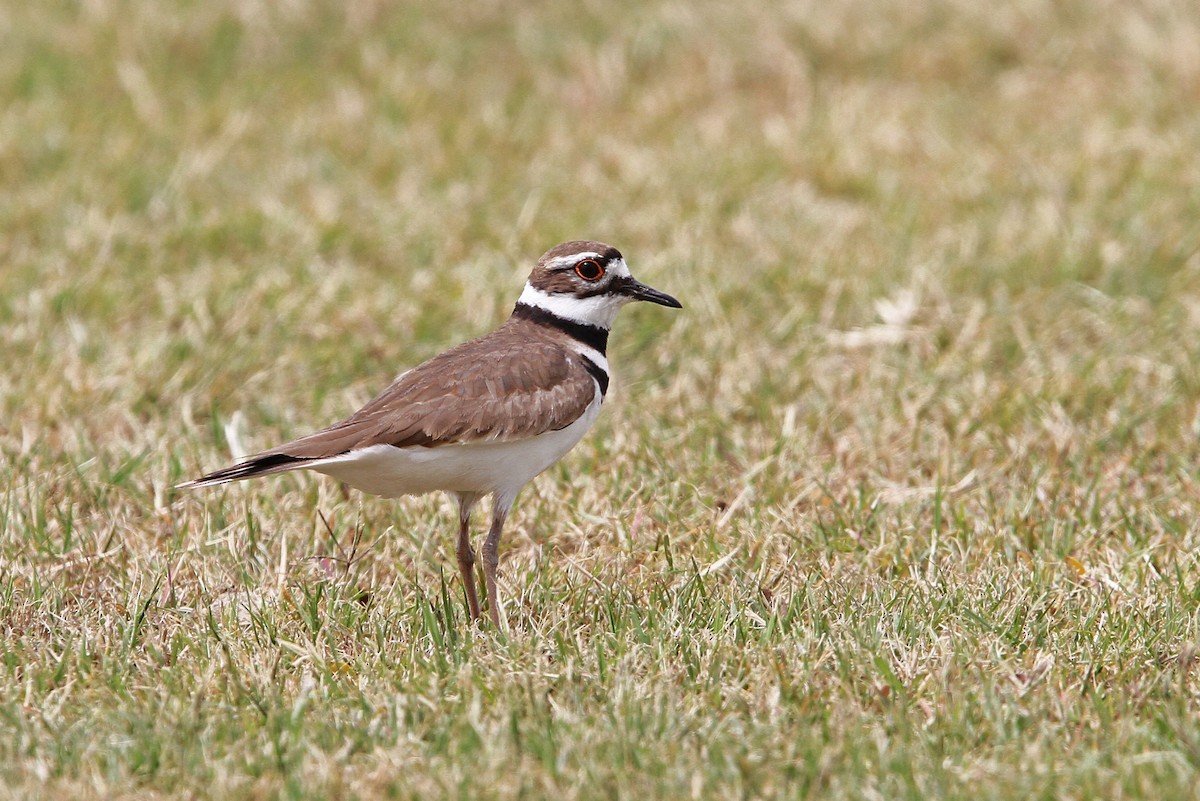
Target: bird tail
x=263 y=465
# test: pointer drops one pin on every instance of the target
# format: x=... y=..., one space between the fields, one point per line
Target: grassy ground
x=903 y=504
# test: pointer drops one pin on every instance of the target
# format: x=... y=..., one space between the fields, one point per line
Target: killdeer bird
x=487 y=416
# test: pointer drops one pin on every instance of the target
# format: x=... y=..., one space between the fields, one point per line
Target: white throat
x=598 y=310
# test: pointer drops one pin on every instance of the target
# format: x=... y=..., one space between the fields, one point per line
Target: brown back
x=516 y=382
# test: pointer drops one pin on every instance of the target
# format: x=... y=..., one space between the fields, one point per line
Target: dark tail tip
x=252 y=467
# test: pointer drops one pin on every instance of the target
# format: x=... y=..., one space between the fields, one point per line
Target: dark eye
x=589 y=270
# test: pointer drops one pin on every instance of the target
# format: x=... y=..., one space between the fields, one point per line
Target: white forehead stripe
x=562 y=262
x=617 y=266
x=598 y=310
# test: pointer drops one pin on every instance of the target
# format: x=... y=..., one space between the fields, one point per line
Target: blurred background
x=224 y=198
x=253 y=200
x=939 y=264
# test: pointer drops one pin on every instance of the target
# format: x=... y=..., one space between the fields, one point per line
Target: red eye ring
x=589 y=270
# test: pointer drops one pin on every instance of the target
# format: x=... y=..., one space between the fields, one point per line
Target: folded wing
x=479 y=391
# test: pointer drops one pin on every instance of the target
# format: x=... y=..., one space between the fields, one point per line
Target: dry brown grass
x=902 y=506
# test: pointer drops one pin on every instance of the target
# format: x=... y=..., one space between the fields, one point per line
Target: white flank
x=591 y=354
x=598 y=310
x=588 y=352
x=474 y=467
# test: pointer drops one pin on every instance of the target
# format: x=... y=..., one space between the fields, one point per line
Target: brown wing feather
x=510 y=384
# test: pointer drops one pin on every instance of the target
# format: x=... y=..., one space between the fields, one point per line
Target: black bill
x=639 y=291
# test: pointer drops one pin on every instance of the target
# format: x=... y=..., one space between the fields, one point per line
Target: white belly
x=478 y=467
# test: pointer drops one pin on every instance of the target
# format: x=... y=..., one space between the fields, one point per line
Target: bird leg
x=466 y=555
x=491 y=558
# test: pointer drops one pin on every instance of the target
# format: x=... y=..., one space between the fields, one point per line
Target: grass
x=902 y=505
